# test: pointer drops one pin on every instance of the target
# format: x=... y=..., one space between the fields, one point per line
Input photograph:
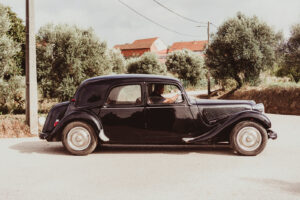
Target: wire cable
x=154 y=22
x=172 y=11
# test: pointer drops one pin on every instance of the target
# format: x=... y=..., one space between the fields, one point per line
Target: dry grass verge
x=277 y=100
x=13 y=126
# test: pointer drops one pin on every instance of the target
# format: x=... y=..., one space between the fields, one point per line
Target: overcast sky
x=116 y=24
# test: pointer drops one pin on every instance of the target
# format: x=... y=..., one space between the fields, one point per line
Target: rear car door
x=122 y=115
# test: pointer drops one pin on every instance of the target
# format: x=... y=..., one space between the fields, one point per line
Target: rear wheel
x=248 y=138
x=79 y=138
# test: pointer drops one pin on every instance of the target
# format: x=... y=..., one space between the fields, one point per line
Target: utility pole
x=208 y=73
x=31 y=78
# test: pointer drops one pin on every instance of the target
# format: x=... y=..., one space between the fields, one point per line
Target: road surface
x=33 y=169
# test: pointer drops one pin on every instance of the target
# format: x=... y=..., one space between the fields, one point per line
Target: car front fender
x=231 y=121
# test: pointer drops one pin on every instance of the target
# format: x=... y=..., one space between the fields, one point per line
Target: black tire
x=83 y=129
x=239 y=144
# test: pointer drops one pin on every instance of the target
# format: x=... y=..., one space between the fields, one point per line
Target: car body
x=117 y=109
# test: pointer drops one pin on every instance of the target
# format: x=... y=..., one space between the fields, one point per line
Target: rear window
x=125 y=95
x=91 y=94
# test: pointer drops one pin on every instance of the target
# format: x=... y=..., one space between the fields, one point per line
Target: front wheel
x=79 y=138
x=248 y=138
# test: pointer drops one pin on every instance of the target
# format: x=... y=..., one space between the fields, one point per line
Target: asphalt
x=33 y=169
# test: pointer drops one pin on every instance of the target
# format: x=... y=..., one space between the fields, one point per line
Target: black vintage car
x=153 y=110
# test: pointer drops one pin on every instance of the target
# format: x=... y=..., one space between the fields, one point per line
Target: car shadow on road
x=293 y=188
x=56 y=148
x=165 y=149
x=42 y=147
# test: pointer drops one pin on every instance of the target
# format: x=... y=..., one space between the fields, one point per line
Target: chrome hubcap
x=249 y=138
x=79 y=138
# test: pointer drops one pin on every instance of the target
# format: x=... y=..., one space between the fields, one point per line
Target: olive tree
x=8 y=47
x=290 y=52
x=148 y=63
x=17 y=33
x=66 y=55
x=187 y=65
x=11 y=84
x=117 y=61
x=242 y=48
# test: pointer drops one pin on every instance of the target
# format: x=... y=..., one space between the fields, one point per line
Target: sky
x=115 y=23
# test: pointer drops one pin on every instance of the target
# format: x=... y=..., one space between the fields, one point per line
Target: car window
x=164 y=94
x=125 y=95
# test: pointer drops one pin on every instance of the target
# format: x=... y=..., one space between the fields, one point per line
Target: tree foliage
x=11 y=85
x=241 y=49
x=187 y=65
x=17 y=33
x=8 y=47
x=66 y=55
x=290 y=52
x=117 y=61
x=148 y=63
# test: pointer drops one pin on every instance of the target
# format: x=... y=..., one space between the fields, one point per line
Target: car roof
x=136 y=77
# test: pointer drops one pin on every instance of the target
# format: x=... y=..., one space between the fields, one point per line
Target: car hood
x=221 y=102
x=215 y=110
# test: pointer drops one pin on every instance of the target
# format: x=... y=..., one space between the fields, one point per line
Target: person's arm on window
x=171 y=100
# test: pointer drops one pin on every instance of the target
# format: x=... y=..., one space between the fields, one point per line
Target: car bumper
x=272 y=135
x=43 y=136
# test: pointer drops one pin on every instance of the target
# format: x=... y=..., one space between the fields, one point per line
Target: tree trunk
x=239 y=82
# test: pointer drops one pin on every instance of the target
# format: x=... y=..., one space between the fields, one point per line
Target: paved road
x=32 y=169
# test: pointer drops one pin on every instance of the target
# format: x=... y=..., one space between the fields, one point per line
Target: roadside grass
x=13 y=126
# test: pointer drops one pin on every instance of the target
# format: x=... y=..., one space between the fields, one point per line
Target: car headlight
x=259 y=107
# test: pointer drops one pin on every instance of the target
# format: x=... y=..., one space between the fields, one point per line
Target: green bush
x=148 y=63
x=117 y=61
x=241 y=49
x=67 y=55
x=187 y=65
x=12 y=94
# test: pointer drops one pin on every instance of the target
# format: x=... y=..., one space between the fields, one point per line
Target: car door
x=122 y=115
x=167 y=122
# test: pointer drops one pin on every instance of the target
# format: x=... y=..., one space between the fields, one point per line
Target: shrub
x=241 y=49
x=148 y=63
x=187 y=65
x=12 y=95
x=117 y=61
x=66 y=55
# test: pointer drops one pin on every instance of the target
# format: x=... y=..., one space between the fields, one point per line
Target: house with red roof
x=195 y=46
x=139 y=47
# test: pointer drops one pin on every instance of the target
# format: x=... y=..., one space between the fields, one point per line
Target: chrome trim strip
x=102 y=136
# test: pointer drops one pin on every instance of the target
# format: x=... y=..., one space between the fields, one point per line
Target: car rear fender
x=79 y=115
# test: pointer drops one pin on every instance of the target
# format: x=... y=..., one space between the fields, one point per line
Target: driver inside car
x=157 y=98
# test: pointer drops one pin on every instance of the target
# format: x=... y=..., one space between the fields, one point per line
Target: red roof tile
x=192 y=45
x=138 y=44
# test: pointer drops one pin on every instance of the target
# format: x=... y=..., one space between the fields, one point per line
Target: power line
x=154 y=22
x=172 y=11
